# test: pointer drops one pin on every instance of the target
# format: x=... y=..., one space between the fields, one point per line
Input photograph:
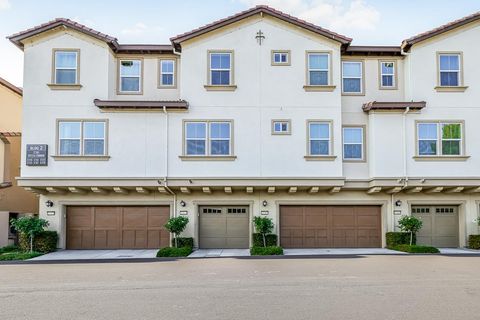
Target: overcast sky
x=368 y=22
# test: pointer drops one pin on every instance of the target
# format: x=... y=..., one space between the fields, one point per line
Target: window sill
x=387 y=88
x=309 y=88
x=451 y=89
x=55 y=86
x=353 y=93
x=441 y=158
x=220 y=88
x=81 y=158
x=320 y=158
x=208 y=158
x=354 y=161
x=126 y=93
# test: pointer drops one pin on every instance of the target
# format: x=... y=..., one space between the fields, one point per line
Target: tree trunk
x=411 y=237
x=176 y=242
x=264 y=240
x=31 y=243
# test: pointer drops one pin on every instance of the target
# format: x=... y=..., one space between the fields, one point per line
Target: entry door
x=440 y=226
x=224 y=227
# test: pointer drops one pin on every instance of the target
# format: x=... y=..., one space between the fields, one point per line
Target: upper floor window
x=319 y=138
x=352 y=77
x=318 y=65
x=130 y=76
x=208 y=138
x=81 y=138
x=449 y=69
x=353 y=143
x=167 y=73
x=440 y=139
x=387 y=75
x=66 y=64
x=280 y=58
x=281 y=127
x=220 y=68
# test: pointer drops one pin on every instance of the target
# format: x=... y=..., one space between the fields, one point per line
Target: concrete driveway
x=96 y=255
x=383 y=287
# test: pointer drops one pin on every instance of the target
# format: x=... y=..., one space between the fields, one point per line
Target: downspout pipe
x=404 y=138
x=165 y=179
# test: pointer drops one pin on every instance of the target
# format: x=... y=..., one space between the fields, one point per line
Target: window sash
x=172 y=73
x=352 y=77
x=449 y=70
x=387 y=74
x=82 y=138
x=309 y=69
x=361 y=144
x=278 y=57
x=65 y=68
x=328 y=139
x=209 y=139
x=280 y=125
x=440 y=139
x=130 y=76
x=212 y=69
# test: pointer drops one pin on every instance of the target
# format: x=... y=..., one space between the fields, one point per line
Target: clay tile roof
x=18 y=37
x=392 y=106
x=373 y=51
x=406 y=44
x=145 y=48
x=10 y=86
x=141 y=104
x=256 y=10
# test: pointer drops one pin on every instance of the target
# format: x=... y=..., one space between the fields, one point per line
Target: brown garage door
x=117 y=227
x=330 y=227
x=224 y=227
x=440 y=226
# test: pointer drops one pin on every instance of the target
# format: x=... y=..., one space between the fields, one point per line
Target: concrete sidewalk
x=353 y=251
x=97 y=255
x=215 y=253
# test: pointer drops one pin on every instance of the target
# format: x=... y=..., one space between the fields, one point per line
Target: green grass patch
x=266 y=251
x=16 y=255
x=414 y=248
x=9 y=248
x=174 y=252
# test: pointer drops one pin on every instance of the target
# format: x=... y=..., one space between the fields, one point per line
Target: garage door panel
x=343 y=220
x=134 y=218
x=80 y=220
x=106 y=218
x=440 y=225
x=368 y=221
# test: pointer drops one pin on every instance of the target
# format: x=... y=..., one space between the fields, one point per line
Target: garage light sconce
x=182 y=203
x=49 y=203
x=398 y=203
x=264 y=203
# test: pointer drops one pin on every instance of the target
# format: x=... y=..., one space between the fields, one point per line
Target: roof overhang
x=393 y=106
x=11 y=87
x=179 y=105
x=373 y=51
x=5 y=135
x=145 y=49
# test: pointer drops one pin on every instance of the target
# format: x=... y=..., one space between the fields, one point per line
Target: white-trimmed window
x=66 y=67
x=319 y=138
x=281 y=127
x=220 y=71
x=439 y=139
x=130 y=76
x=280 y=58
x=208 y=138
x=449 y=69
x=353 y=144
x=387 y=74
x=81 y=138
x=167 y=73
x=352 y=73
x=318 y=72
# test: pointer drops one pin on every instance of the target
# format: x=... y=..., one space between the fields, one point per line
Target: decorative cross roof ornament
x=260 y=37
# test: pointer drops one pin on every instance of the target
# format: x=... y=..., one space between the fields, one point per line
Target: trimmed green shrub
x=30 y=226
x=183 y=242
x=266 y=251
x=45 y=241
x=176 y=225
x=174 y=252
x=9 y=256
x=271 y=240
x=396 y=238
x=264 y=226
x=415 y=249
x=474 y=241
x=10 y=248
x=410 y=224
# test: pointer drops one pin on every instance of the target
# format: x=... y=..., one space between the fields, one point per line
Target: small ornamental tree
x=30 y=226
x=176 y=226
x=264 y=226
x=410 y=224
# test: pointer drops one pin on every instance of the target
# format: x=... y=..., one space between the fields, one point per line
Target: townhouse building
x=259 y=113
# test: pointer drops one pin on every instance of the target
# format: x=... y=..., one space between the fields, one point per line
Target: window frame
x=160 y=85
x=394 y=75
x=362 y=77
x=231 y=70
x=282 y=133
x=275 y=52
x=460 y=69
x=330 y=155
x=439 y=140
x=208 y=139
x=119 y=76
x=363 y=144
x=54 y=67
x=82 y=139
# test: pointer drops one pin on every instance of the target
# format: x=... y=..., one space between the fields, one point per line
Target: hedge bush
x=44 y=242
x=474 y=241
x=10 y=256
x=415 y=249
x=9 y=248
x=174 y=252
x=266 y=251
x=397 y=238
x=271 y=240
x=183 y=242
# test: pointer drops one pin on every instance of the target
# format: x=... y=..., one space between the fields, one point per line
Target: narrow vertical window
x=387 y=75
x=449 y=69
x=318 y=69
x=196 y=138
x=94 y=138
x=220 y=72
x=167 y=73
x=66 y=67
x=352 y=77
x=219 y=138
x=353 y=144
x=130 y=76
x=69 y=138
x=319 y=138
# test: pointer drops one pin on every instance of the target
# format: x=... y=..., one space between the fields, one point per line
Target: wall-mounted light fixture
x=49 y=203
x=264 y=203
x=182 y=203
x=398 y=203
